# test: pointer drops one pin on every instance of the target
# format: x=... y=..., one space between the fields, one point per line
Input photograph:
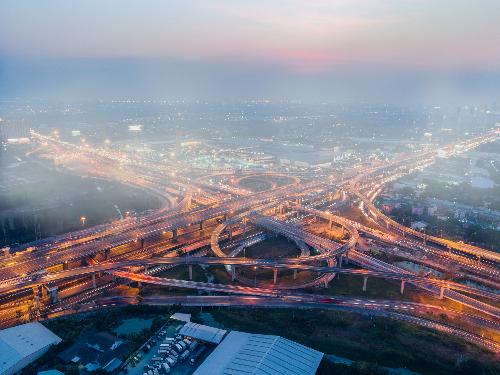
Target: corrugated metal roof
x=246 y=353
x=181 y=317
x=202 y=332
x=22 y=341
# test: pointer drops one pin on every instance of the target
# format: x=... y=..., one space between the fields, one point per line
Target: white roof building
x=247 y=353
x=23 y=344
x=181 y=317
x=202 y=332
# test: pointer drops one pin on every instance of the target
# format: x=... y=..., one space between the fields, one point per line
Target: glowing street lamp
x=82 y=220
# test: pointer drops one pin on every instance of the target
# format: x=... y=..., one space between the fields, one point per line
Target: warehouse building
x=23 y=344
x=202 y=332
x=247 y=353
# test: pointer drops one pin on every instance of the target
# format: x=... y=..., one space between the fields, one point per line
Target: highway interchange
x=207 y=219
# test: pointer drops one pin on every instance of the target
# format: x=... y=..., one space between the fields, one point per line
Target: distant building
x=97 y=351
x=24 y=344
x=301 y=164
x=431 y=211
x=387 y=207
x=247 y=353
x=416 y=210
x=418 y=225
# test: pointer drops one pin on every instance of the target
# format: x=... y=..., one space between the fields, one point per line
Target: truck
x=196 y=354
x=193 y=346
x=165 y=367
x=171 y=361
x=184 y=355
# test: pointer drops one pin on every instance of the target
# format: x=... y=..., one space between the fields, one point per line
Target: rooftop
x=202 y=332
x=19 y=342
x=246 y=353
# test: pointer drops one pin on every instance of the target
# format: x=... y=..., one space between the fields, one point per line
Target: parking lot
x=149 y=359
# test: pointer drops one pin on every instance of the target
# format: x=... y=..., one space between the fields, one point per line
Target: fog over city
x=249 y=187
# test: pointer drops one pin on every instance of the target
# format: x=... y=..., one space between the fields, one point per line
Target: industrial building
x=24 y=344
x=202 y=332
x=247 y=353
x=97 y=350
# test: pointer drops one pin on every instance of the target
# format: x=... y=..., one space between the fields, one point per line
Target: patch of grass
x=360 y=338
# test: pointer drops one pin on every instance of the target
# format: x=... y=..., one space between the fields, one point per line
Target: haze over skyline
x=333 y=50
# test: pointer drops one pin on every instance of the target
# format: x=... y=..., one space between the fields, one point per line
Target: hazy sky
x=276 y=42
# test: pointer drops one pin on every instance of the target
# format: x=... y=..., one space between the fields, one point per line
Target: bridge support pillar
x=65 y=265
x=36 y=297
x=201 y=225
x=275 y=275
x=339 y=261
x=190 y=272
x=326 y=283
x=365 y=280
x=295 y=274
x=106 y=254
x=54 y=294
x=233 y=273
x=441 y=293
x=330 y=224
x=347 y=257
x=94 y=284
x=230 y=231
x=402 y=286
x=174 y=234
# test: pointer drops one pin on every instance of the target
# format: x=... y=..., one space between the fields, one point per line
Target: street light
x=82 y=220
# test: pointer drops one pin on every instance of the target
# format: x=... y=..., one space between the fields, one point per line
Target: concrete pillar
x=190 y=272
x=230 y=231
x=330 y=224
x=365 y=280
x=295 y=274
x=340 y=260
x=36 y=297
x=201 y=225
x=326 y=283
x=441 y=293
x=142 y=242
x=347 y=257
x=106 y=254
x=174 y=233
x=94 y=284
x=44 y=292
x=233 y=273
x=275 y=275
x=54 y=295
x=402 y=286
x=65 y=265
